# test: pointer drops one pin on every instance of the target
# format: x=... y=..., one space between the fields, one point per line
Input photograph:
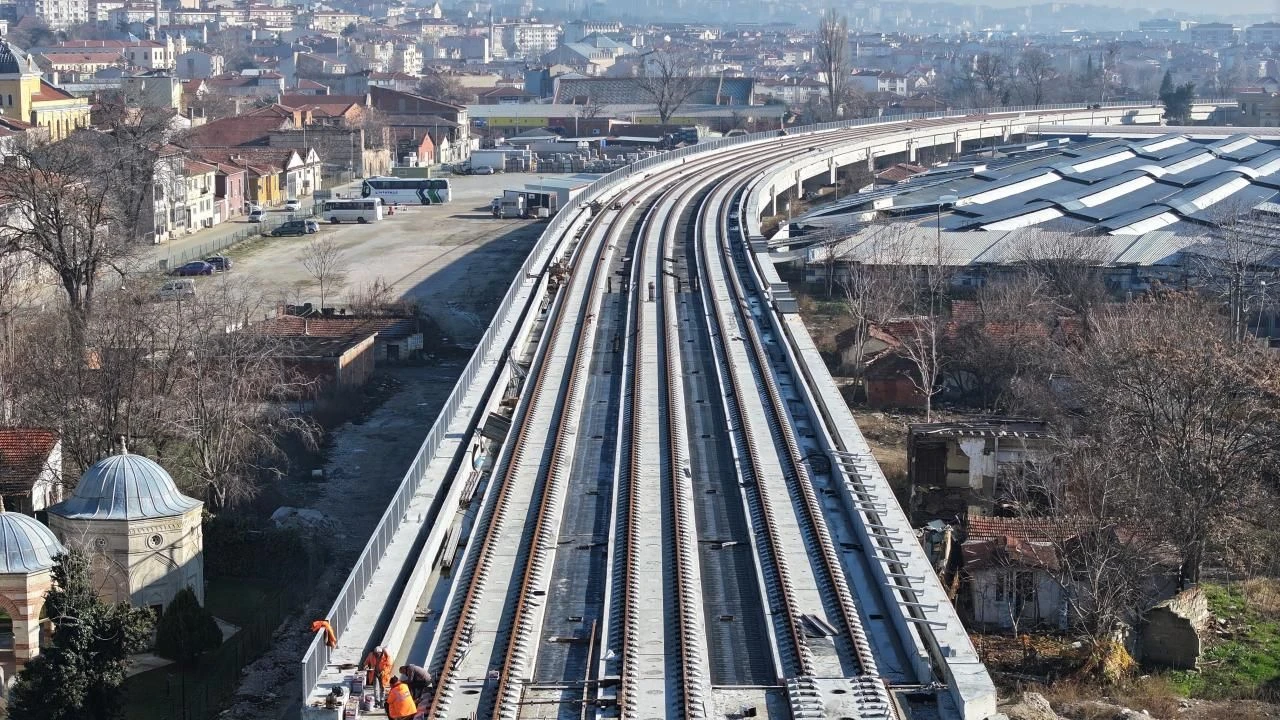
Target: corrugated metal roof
x=125 y=487
x=26 y=546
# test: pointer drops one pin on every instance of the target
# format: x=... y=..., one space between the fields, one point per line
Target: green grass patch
x=1246 y=664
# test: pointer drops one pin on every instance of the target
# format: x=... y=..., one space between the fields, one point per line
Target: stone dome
x=125 y=487
x=26 y=545
x=14 y=60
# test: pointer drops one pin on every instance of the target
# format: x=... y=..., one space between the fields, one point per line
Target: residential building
x=258 y=85
x=200 y=197
x=530 y=40
x=873 y=81
x=960 y=468
x=1267 y=33
x=194 y=64
x=30 y=469
x=577 y=30
x=1012 y=567
x=71 y=65
x=25 y=96
x=1214 y=35
x=332 y=21
x=153 y=89
x=1260 y=106
x=407 y=59
x=229 y=191
x=145 y=54
x=57 y=14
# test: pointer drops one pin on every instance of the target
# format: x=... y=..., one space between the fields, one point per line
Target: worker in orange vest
x=329 y=638
x=378 y=674
x=400 y=704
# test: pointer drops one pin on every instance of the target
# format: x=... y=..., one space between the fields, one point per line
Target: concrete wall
x=1171 y=632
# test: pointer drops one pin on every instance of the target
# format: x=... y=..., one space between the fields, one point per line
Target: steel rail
x=465 y=619
x=800 y=481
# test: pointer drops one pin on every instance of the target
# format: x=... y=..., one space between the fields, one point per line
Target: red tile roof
x=24 y=453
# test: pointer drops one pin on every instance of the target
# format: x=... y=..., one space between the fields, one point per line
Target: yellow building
x=25 y=96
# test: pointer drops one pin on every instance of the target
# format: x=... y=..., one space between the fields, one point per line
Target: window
x=6 y=632
x=1014 y=585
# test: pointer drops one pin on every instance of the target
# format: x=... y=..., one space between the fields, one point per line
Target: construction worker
x=419 y=680
x=400 y=704
x=378 y=673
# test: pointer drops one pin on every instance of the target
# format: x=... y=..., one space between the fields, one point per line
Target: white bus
x=407 y=191
x=360 y=211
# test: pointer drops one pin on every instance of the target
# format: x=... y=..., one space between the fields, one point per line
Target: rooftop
x=125 y=487
x=24 y=454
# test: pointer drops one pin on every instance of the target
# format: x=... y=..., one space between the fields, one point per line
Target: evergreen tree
x=186 y=630
x=1166 y=86
x=80 y=677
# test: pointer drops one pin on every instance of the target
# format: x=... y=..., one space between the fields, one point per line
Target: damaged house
x=954 y=469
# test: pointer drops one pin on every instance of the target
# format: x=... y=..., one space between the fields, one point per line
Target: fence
x=172 y=257
x=317 y=655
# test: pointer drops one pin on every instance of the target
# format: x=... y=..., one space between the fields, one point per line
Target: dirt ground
x=365 y=460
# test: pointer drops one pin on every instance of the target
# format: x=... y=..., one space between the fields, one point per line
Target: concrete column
x=973 y=449
x=831 y=171
x=911 y=150
x=799 y=185
x=958 y=144
x=773 y=201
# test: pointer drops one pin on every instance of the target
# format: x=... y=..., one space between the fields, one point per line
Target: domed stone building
x=142 y=535
x=26 y=97
x=27 y=552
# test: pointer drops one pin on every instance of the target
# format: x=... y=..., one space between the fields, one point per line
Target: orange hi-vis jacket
x=380 y=664
x=329 y=638
x=400 y=702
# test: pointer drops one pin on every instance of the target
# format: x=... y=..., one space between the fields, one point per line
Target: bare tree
x=1190 y=412
x=875 y=287
x=230 y=408
x=1036 y=73
x=923 y=342
x=1070 y=268
x=1080 y=501
x=832 y=55
x=666 y=77
x=990 y=71
x=1235 y=263
x=442 y=86
x=325 y=262
x=62 y=210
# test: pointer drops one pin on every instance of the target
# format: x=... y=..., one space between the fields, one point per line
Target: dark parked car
x=195 y=267
x=293 y=227
x=220 y=263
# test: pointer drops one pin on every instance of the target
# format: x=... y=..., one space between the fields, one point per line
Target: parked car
x=483 y=170
x=195 y=267
x=176 y=290
x=220 y=263
x=292 y=205
x=257 y=215
x=295 y=227
x=313 y=226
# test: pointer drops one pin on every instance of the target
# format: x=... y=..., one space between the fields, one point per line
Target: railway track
x=699 y=345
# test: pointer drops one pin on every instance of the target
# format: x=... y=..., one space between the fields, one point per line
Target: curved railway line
x=682 y=520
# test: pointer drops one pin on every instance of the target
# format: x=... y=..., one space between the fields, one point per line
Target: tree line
x=1164 y=409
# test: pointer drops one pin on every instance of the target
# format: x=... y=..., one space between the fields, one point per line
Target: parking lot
x=456 y=260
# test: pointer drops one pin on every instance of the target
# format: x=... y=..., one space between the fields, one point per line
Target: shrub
x=186 y=630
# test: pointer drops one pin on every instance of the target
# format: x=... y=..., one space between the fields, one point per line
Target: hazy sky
x=1269 y=8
